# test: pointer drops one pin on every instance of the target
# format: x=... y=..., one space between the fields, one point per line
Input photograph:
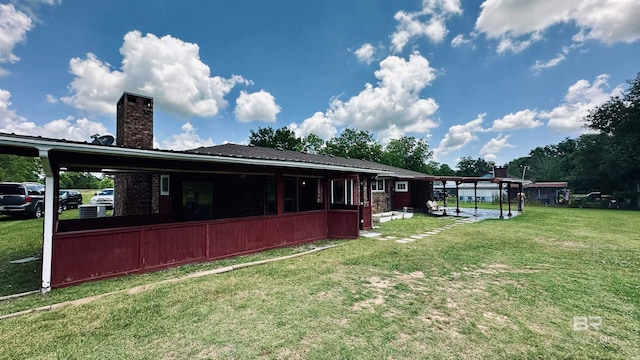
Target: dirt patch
x=560 y=243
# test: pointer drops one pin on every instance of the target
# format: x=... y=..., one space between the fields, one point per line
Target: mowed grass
x=552 y=283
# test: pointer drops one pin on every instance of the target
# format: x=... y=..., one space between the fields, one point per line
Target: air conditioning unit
x=92 y=211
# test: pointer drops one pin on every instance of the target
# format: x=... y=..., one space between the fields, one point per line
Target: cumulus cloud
x=165 y=68
x=581 y=97
x=607 y=21
x=257 y=106
x=394 y=100
x=494 y=146
x=524 y=119
x=69 y=128
x=365 y=53
x=186 y=140
x=411 y=24
x=14 y=25
x=318 y=124
x=460 y=135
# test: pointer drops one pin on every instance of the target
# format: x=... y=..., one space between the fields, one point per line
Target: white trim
x=378 y=190
x=163 y=191
x=47 y=235
x=406 y=186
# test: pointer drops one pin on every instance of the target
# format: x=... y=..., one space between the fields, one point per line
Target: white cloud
x=494 y=146
x=608 y=21
x=69 y=128
x=581 y=98
x=395 y=100
x=14 y=25
x=434 y=28
x=524 y=119
x=186 y=140
x=365 y=53
x=317 y=124
x=460 y=135
x=166 y=68
x=459 y=40
x=258 y=106
x=51 y=99
x=560 y=57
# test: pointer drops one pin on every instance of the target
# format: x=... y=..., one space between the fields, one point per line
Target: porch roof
x=84 y=155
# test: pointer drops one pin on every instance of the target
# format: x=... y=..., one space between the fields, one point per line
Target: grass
x=552 y=283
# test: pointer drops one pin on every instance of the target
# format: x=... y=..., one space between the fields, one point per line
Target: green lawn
x=552 y=283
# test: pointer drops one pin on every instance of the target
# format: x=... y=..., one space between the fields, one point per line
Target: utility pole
x=524 y=169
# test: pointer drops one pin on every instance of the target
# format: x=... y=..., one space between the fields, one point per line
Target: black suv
x=21 y=199
x=70 y=199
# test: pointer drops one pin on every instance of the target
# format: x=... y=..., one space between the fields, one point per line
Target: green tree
x=357 y=144
x=435 y=168
x=312 y=144
x=20 y=168
x=467 y=166
x=78 y=180
x=283 y=138
x=408 y=153
x=619 y=121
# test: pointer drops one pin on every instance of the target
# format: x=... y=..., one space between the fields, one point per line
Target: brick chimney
x=135 y=193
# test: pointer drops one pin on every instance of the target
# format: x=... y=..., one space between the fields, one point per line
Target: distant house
x=178 y=207
x=547 y=193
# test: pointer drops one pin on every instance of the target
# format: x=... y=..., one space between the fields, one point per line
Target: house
x=548 y=193
x=180 y=207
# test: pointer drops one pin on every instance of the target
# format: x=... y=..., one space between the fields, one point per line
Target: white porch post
x=49 y=213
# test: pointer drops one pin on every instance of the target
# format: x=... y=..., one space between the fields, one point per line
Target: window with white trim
x=164 y=185
x=402 y=186
x=377 y=185
x=342 y=192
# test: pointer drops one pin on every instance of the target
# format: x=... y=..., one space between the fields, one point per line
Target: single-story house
x=178 y=207
x=548 y=193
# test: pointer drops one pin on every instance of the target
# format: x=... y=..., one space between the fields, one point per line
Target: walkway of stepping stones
x=413 y=238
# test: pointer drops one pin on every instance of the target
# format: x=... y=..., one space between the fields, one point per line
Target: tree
x=435 y=168
x=20 y=168
x=312 y=144
x=78 y=180
x=618 y=120
x=357 y=144
x=467 y=166
x=283 y=138
x=408 y=153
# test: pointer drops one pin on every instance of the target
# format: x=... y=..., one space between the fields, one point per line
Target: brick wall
x=135 y=193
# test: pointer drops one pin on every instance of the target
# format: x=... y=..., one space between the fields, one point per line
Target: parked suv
x=21 y=199
x=103 y=197
x=70 y=199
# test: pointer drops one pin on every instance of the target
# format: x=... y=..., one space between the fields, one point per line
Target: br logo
x=583 y=323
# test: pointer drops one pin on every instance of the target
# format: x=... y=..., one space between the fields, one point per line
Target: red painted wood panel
x=234 y=236
x=343 y=224
x=401 y=199
x=169 y=245
x=366 y=218
x=94 y=256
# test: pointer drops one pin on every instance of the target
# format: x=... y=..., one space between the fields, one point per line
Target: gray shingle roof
x=264 y=153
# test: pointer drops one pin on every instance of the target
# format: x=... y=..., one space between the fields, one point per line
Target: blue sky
x=491 y=79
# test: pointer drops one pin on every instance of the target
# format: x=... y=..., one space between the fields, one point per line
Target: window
x=377 y=185
x=402 y=186
x=302 y=194
x=342 y=192
x=164 y=185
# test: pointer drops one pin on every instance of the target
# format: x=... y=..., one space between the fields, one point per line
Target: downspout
x=49 y=213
